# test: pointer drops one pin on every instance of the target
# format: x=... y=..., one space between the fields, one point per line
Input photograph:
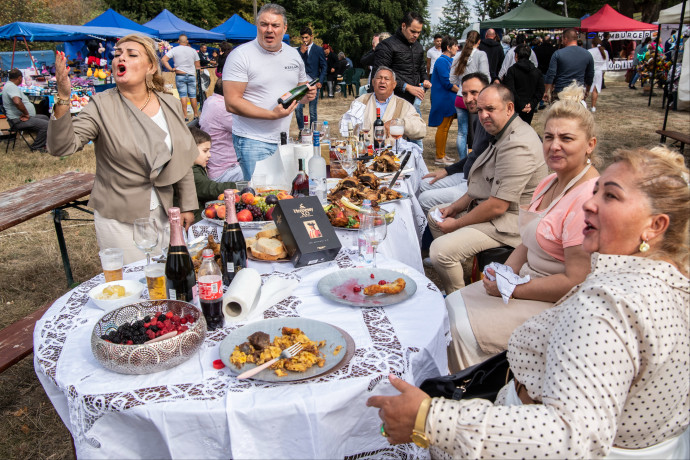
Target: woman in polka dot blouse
x=605 y=372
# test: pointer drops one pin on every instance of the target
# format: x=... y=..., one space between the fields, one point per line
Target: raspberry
x=344 y=296
x=183 y=320
x=218 y=364
x=371 y=276
x=146 y=325
x=356 y=289
x=169 y=314
x=129 y=342
x=382 y=282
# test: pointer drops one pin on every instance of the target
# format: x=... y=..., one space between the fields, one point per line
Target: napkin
x=272 y=167
x=505 y=278
x=242 y=295
x=273 y=291
x=436 y=215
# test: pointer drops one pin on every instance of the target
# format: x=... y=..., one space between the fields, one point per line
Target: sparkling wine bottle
x=300 y=184
x=295 y=93
x=179 y=269
x=233 y=250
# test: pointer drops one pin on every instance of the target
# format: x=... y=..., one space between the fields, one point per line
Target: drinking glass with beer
x=112 y=260
x=155 y=281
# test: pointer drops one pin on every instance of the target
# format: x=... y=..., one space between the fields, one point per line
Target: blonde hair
x=570 y=106
x=149 y=46
x=663 y=177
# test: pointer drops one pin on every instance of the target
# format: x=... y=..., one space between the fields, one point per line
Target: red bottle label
x=211 y=290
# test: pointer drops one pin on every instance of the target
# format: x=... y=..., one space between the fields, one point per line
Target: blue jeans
x=312 y=112
x=250 y=151
x=634 y=78
x=186 y=85
x=463 y=118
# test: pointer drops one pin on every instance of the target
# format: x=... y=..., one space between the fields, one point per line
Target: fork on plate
x=288 y=353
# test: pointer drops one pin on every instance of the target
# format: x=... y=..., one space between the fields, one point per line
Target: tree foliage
x=455 y=17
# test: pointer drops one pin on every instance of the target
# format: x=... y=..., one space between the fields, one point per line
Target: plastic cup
x=241 y=184
x=112 y=261
x=155 y=280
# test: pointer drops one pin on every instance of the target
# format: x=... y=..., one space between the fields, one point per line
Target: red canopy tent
x=609 y=20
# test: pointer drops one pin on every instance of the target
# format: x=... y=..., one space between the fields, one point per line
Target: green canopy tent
x=530 y=16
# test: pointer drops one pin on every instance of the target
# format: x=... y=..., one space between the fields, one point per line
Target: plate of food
x=344 y=215
x=267 y=245
x=253 y=209
x=326 y=348
x=367 y=287
x=366 y=186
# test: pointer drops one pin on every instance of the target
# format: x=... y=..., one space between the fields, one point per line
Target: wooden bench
x=676 y=136
x=17 y=339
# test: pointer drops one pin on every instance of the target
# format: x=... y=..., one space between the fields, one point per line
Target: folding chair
x=354 y=83
x=10 y=133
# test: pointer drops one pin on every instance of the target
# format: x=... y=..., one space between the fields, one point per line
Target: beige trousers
x=464 y=351
x=111 y=233
x=449 y=251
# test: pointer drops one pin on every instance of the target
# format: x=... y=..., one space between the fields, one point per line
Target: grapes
x=257 y=213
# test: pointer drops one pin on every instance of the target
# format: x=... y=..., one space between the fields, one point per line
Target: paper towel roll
x=242 y=295
x=304 y=152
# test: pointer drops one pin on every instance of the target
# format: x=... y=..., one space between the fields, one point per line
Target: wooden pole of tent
x=675 y=63
x=31 y=58
x=656 y=52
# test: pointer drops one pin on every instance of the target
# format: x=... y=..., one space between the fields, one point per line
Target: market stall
x=170 y=27
x=679 y=15
x=530 y=16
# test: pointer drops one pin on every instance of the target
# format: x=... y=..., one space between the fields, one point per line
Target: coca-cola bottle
x=211 y=290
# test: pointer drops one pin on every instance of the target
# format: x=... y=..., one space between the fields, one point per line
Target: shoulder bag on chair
x=483 y=380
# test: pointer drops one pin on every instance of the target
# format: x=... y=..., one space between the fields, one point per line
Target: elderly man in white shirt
x=363 y=109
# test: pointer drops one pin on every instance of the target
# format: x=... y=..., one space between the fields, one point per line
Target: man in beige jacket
x=363 y=109
x=502 y=178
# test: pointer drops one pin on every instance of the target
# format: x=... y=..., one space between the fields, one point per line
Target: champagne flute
x=146 y=236
x=397 y=129
x=379 y=230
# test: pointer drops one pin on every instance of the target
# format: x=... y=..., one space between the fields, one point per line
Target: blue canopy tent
x=111 y=18
x=237 y=29
x=170 y=27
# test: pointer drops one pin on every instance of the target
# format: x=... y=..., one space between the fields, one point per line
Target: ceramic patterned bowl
x=147 y=358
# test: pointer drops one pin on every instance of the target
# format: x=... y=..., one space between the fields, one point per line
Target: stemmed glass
x=348 y=160
x=379 y=230
x=366 y=127
x=397 y=129
x=379 y=136
x=146 y=236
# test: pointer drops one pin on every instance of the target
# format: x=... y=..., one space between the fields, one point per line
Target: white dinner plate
x=339 y=287
x=315 y=330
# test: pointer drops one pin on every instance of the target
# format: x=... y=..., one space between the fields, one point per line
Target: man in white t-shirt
x=433 y=54
x=256 y=74
x=186 y=63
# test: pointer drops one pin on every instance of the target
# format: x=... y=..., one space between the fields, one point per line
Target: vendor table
x=196 y=411
x=54 y=194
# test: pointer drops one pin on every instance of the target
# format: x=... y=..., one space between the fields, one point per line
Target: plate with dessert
x=326 y=348
x=367 y=287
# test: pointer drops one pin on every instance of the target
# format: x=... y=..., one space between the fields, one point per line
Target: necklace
x=148 y=98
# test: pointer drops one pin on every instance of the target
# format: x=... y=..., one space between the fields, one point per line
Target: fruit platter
x=253 y=209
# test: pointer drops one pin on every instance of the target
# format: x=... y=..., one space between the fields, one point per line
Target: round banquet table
x=196 y=411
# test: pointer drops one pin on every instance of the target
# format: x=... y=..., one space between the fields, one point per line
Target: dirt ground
x=31 y=271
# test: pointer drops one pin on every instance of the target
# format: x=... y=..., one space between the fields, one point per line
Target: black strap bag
x=483 y=380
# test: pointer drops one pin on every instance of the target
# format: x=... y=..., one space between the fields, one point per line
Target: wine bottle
x=283 y=138
x=179 y=269
x=378 y=122
x=300 y=184
x=295 y=93
x=233 y=250
x=351 y=136
x=317 y=172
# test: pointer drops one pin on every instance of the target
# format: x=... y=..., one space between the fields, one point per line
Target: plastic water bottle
x=365 y=235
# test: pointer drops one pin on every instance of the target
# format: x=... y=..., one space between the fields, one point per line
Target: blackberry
x=147 y=319
x=257 y=213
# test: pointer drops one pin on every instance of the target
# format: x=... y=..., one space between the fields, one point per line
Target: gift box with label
x=306 y=231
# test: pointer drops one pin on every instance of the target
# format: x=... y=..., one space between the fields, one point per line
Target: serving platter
x=340 y=286
x=315 y=330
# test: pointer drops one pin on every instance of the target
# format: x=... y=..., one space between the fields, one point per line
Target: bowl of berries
x=148 y=336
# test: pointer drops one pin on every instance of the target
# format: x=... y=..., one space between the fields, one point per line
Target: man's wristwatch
x=418 y=436
x=61 y=101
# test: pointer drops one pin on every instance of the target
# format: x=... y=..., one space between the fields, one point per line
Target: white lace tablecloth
x=196 y=411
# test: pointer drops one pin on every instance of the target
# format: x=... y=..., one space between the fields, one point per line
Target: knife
x=402 y=166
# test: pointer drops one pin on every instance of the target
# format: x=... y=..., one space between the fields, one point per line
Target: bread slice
x=249 y=242
x=262 y=256
x=268 y=231
x=269 y=246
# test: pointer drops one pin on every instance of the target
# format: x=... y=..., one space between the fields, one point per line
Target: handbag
x=483 y=380
x=460 y=102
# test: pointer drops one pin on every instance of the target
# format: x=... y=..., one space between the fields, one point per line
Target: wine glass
x=146 y=236
x=379 y=230
x=379 y=136
x=348 y=160
x=366 y=127
x=397 y=129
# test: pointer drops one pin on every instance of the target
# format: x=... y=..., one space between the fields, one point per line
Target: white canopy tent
x=674 y=15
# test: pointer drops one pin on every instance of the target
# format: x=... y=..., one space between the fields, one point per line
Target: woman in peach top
x=551 y=250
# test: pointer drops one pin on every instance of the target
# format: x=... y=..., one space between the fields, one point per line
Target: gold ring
x=383 y=431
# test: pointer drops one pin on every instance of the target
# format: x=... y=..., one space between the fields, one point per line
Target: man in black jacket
x=405 y=55
x=494 y=52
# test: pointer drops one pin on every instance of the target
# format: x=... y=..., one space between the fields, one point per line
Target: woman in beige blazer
x=144 y=151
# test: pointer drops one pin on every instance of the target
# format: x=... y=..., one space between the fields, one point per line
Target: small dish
x=133 y=290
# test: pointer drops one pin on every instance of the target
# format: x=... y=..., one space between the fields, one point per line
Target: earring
x=589 y=161
x=644 y=246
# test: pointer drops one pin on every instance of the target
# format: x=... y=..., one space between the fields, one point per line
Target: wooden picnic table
x=54 y=195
